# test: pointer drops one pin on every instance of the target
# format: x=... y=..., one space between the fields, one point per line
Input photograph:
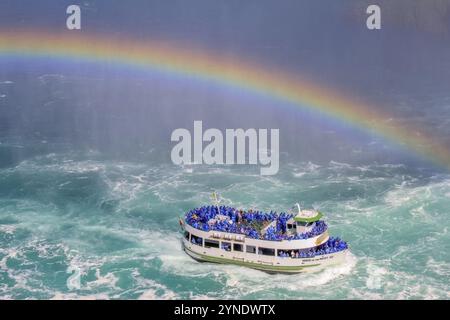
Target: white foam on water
x=181 y=264
x=375 y=278
x=242 y=281
x=384 y=281
x=193 y=296
x=405 y=196
x=151 y=294
x=156 y=291
x=299 y=174
x=75 y=296
x=336 y=164
x=357 y=293
x=108 y=280
x=420 y=213
x=442 y=268
x=156 y=240
x=299 y=170
x=8 y=229
x=60 y=165
x=8 y=253
x=27 y=279
x=148 y=289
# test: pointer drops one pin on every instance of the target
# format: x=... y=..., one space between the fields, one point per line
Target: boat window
x=197 y=240
x=250 y=249
x=226 y=246
x=289 y=226
x=238 y=247
x=266 y=251
x=285 y=253
x=211 y=243
x=186 y=235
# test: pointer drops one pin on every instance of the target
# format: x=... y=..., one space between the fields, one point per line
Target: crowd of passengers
x=240 y=222
x=331 y=246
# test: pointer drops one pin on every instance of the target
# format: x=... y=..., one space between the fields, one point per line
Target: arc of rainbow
x=244 y=74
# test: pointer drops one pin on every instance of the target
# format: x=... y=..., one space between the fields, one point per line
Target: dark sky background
x=403 y=69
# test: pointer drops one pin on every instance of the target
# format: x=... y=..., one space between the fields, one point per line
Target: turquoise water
x=116 y=224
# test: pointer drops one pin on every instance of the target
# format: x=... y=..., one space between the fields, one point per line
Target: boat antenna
x=298 y=207
x=215 y=198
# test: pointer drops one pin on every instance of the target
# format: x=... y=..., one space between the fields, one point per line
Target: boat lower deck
x=278 y=265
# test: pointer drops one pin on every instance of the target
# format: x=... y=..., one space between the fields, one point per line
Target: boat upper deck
x=253 y=224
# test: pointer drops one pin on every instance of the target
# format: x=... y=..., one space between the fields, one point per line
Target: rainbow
x=160 y=56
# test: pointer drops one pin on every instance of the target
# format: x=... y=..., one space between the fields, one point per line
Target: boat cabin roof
x=308 y=216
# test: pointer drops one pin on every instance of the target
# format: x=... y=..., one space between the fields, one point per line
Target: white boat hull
x=261 y=262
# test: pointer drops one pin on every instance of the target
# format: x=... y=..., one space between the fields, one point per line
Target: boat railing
x=200 y=218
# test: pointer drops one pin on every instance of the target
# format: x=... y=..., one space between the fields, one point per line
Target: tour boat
x=274 y=242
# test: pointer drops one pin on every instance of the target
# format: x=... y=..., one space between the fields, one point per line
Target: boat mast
x=215 y=199
x=298 y=208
